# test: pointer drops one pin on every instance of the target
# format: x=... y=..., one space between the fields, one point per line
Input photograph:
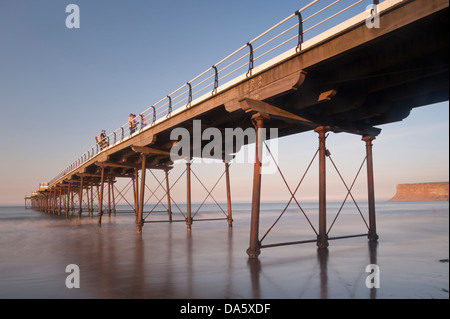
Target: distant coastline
x=421 y=192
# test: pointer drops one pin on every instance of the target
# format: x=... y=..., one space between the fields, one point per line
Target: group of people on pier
x=102 y=139
x=132 y=124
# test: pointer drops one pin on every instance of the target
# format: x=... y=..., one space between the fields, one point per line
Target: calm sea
x=169 y=262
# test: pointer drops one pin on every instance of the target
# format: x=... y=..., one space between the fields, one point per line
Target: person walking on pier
x=132 y=123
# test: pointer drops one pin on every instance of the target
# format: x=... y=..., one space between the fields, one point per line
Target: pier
x=367 y=70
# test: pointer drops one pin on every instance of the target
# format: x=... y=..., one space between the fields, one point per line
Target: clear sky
x=59 y=87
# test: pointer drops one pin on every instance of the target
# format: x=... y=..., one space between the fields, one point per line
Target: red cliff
x=421 y=192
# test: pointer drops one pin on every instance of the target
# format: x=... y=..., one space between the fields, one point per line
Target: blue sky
x=59 y=87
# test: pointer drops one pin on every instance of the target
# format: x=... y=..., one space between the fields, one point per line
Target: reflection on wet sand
x=180 y=268
x=322 y=259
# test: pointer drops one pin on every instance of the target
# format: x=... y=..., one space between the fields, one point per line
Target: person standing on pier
x=143 y=120
x=103 y=141
x=132 y=123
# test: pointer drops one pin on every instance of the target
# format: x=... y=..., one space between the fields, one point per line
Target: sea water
x=168 y=262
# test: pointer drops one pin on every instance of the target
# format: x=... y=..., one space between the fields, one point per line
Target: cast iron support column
x=54 y=202
x=92 y=199
x=188 y=192
x=139 y=218
x=55 y=206
x=109 y=196
x=72 y=201
x=372 y=235
x=50 y=199
x=135 y=191
x=80 y=196
x=322 y=238
x=169 y=206
x=113 y=196
x=227 y=177
x=88 y=200
x=254 y=250
x=100 y=198
x=60 y=201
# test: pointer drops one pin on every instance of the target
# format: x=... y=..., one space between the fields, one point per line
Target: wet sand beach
x=210 y=262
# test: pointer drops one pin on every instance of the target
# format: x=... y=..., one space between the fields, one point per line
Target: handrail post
x=216 y=79
x=142 y=120
x=170 y=106
x=154 y=114
x=251 y=60
x=190 y=95
x=300 y=30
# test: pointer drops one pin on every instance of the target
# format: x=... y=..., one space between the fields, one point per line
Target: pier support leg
x=109 y=196
x=227 y=177
x=92 y=199
x=60 y=201
x=113 y=196
x=54 y=202
x=64 y=197
x=100 y=197
x=322 y=238
x=72 y=202
x=50 y=201
x=135 y=192
x=372 y=235
x=169 y=206
x=88 y=200
x=80 y=196
x=139 y=218
x=188 y=192
x=254 y=250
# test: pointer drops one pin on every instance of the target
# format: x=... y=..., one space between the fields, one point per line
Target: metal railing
x=314 y=18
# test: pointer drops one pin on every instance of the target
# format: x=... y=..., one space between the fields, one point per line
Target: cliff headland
x=421 y=192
